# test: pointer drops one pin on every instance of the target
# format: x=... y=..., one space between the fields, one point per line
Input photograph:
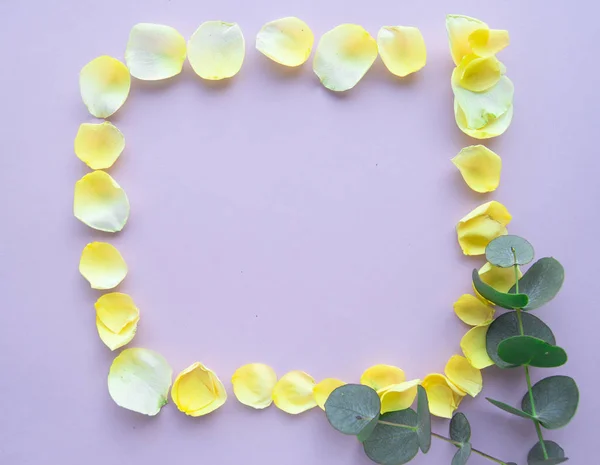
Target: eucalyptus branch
x=476 y=451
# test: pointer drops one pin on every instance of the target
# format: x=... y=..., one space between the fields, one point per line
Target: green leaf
x=529 y=350
x=541 y=282
x=507 y=325
x=556 y=399
x=462 y=454
x=554 y=461
x=536 y=454
x=460 y=429
x=507 y=251
x=510 y=409
x=393 y=445
x=423 y=420
x=353 y=409
x=501 y=299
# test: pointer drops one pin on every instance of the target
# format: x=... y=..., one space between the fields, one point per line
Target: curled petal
x=154 y=52
x=114 y=340
x=322 y=390
x=104 y=84
x=501 y=279
x=477 y=229
x=116 y=319
x=343 y=57
x=398 y=396
x=402 y=49
x=216 y=50
x=198 y=391
x=459 y=29
x=473 y=311
x=487 y=42
x=102 y=265
x=464 y=375
x=293 y=393
x=495 y=127
x=443 y=399
x=479 y=74
x=253 y=385
x=287 y=41
x=480 y=167
x=473 y=345
x=139 y=380
x=99 y=145
x=100 y=202
x=382 y=376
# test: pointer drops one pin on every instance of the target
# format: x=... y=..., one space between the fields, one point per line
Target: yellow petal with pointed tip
x=473 y=311
x=253 y=385
x=495 y=127
x=501 y=279
x=216 y=50
x=198 y=391
x=464 y=375
x=402 y=49
x=398 y=396
x=473 y=345
x=478 y=74
x=99 y=145
x=322 y=390
x=459 y=29
x=488 y=42
x=154 y=51
x=100 y=202
x=343 y=57
x=114 y=340
x=443 y=400
x=482 y=225
x=104 y=84
x=293 y=393
x=287 y=41
x=139 y=380
x=116 y=319
x=382 y=376
x=102 y=265
x=480 y=168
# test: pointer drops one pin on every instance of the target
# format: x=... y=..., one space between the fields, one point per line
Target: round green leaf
x=555 y=398
x=393 y=445
x=507 y=325
x=501 y=299
x=528 y=350
x=423 y=420
x=536 y=454
x=353 y=408
x=507 y=251
x=541 y=282
x=460 y=429
x=510 y=409
x=462 y=454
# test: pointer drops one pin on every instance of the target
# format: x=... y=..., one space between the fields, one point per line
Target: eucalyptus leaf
x=510 y=409
x=556 y=399
x=554 y=461
x=460 y=429
x=462 y=454
x=536 y=454
x=529 y=350
x=502 y=299
x=507 y=325
x=353 y=408
x=507 y=251
x=541 y=282
x=423 y=420
x=394 y=445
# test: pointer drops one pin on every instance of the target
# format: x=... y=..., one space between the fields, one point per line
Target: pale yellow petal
x=114 y=340
x=322 y=390
x=287 y=41
x=382 y=376
x=99 y=145
x=398 y=396
x=253 y=385
x=104 y=84
x=293 y=393
x=464 y=375
x=473 y=311
x=459 y=29
x=473 y=345
x=154 y=51
x=216 y=50
x=501 y=279
x=480 y=167
x=343 y=56
x=477 y=229
x=495 y=127
x=198 y=391
x=478 y=74
x=102 y=265
x=488 y=42
x=116 y=310
x=443 y=400
x=100 y=202
x=402 y=49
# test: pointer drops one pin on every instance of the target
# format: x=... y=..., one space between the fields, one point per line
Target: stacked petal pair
x=395 y=392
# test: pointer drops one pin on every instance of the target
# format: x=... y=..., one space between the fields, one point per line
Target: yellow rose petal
x=99 y=145
x=100 y=202
x=488 y=42
x=480 y=168
x=102 y=265
x=139 y=380
x=398 y=396
x=382 y=376
x=198 y=391
x=473 y=345
x=322 y=390
x=104 y=84
x=116 y=319
x=464 y=375
x=216 y=50
x=402 y=49
x=482 y=225
x=154 y=52
x=494 y=128
x=478 y=74
x=501 y=279
x=287 y=41
x=443 y=400
x=114 y=340
x=343 y=57
x=293 y=393
x=253 y=385
x=473 y=311
x=459 y=29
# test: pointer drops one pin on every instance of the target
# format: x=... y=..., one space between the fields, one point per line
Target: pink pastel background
x=275 y=221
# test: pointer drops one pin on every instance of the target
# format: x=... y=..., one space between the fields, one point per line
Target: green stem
x=397 y=425
x=458 y=444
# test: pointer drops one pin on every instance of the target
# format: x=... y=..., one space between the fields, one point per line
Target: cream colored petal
x=216 y=50
x=102 y=265
x=488 y=42
x=501 y=279
x=477 y=229
x=382 y=376
x=253 y=385
x=100 y=202
x=473 y=311
x=198 y=391
x=99 y=145
x=473 y=345
x=496 y=127
x=398 y=396
x=114 y=340
x=479 y=74
x=104 y=84
x=480 y=167
x=464 y=375
x=402 y=49
x=443 y=400
x=287 y=41
x=459 y=29
x=116 y=310
x=139 y=380
x=293 y=393
x=322 y=390
x=343 y=56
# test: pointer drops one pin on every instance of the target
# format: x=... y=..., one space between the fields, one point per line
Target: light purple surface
x=274 y=221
